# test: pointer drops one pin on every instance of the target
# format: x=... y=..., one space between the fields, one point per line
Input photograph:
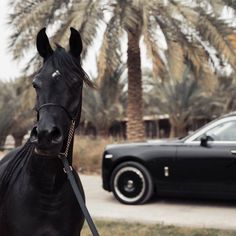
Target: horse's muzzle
x=48 y=142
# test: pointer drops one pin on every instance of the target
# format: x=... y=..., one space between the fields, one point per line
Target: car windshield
x=198 y=130
x=220 y=129
x=222 y=132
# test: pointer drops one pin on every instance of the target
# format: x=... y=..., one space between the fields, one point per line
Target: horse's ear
x=43 y=45
x=75 y=42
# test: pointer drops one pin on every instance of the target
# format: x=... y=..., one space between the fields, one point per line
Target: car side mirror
x=204 y=140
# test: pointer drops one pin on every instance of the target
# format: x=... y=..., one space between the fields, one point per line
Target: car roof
x=233 y=113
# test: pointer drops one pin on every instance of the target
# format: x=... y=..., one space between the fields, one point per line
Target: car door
x=159 y=161
x=209 y=168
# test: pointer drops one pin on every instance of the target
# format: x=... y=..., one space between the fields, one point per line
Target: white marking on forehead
x=56 y=73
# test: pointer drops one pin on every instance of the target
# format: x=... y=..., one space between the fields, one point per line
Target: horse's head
x=58 y=86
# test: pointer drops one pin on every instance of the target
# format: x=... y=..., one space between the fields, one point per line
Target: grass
x=108 y=228
x=88 y=153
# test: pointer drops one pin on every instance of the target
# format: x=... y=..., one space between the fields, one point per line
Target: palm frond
x=39 y=12
x=130 y=15
x=109 y=57
x=150 y=27
x=218 y=34
x=176 y=59
x=87 y=18
x=230 y=3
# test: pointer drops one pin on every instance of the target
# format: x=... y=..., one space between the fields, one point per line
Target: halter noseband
x=56 y=105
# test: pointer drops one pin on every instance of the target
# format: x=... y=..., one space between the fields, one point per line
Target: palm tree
x=15 y=110
x=103 y=106
x=181 y=99
x=23 y=113
x=222 y=99
x=192 y=30
x=7 y=107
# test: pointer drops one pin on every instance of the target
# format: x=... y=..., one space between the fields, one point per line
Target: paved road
x=210 y=214
x=102 y=204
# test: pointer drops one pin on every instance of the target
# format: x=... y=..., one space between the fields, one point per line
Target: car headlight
x=108 y=156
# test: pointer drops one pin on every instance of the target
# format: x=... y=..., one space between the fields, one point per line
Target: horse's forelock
x=70 y=67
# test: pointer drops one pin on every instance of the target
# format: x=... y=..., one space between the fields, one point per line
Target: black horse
x=36 y=198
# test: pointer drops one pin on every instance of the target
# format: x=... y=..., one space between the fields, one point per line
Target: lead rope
x=70 y=136
x=69 y=171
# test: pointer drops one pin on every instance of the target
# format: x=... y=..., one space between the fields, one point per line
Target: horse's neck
x=46 y=174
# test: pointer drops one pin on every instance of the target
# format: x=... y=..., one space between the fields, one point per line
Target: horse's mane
x=13 y=168
x=70 y=68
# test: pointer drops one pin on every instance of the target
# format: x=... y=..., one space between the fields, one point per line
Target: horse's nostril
x=44 y=137
x=56 y=135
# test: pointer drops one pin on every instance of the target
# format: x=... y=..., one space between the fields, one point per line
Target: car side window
x=222 y=132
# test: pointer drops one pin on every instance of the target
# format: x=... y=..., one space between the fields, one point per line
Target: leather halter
x=55 y=105
x=72 y=126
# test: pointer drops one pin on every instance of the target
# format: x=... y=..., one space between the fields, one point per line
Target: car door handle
x=233 y=152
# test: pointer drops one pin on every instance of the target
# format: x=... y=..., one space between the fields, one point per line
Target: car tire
x=131 y=183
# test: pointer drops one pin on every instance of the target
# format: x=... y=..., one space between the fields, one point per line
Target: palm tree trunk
x=2 y=141
x=172 y=131
x=103 y=132
x=18 y=140
x=178 y=128
x=135 y=126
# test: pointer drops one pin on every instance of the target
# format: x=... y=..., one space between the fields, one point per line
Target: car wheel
x=131 y=183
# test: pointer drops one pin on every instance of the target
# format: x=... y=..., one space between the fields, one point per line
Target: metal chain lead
x=70 y=137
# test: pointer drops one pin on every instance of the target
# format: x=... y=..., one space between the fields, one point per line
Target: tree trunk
x=135 y=125
x=181 y=131
x=2 y=141
x=102 y=132
x=178 y=128
x=18 y=139
x=172 y=131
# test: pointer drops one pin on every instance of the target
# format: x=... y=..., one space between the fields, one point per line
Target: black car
x=200 y=165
